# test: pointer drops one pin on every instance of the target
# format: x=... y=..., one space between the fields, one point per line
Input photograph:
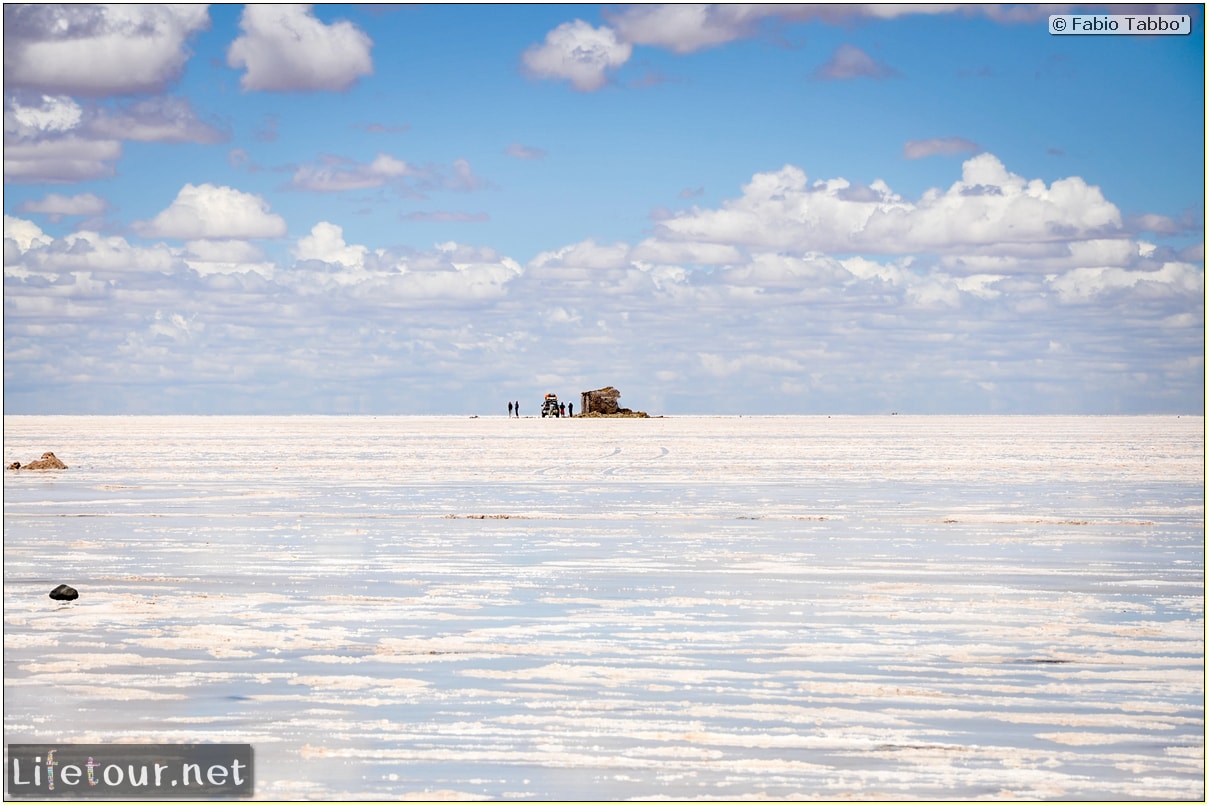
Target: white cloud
x=453 y=271
x=684 y=28
x=54 y=204
x=579 y=53
x=81 y=252
x=988 y=207
x=338 y=174
x=285 y=47
x=24 y=234
x=849 y=61
x=162 y=119
x=326 y=243
x=226 y=257
x=63 y=159
x=51 y=114
x=993 y=206
x=585 y=255
x=54 y=139
x=207 y=212
x=560 y=315
x=97 y=49
x=1169 y=279
x=176 y=326
x=797 y=300
x=780 y=271
x=699 y=254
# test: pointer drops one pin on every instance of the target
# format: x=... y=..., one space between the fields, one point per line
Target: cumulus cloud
x=51 y=138
x=162 y=119
x=24 y=234
x=1188 y=222
x=208 y=211
x=54 y=139
x=777 y=271
x=804 y=294
x=335 y=174
x=586 y=254
x=454 y=272
x=849 y=61
x=227 y=257
x=175 y=326
x=697 y=254
x=1169 y=279
x=285 y=47
x=87 y=252
x=584 y=55
x=947 y=146
x=988 y=208
x=684 y=28
x=97 y=50
x=326 y=243
x=56 y=205
x=60 y=160
x=40 y=115
x=579 y=53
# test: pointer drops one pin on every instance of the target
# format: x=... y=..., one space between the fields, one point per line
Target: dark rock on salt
x=65 y=593
x=48 y=462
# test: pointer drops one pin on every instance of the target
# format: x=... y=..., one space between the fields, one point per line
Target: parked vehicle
x=550 y=406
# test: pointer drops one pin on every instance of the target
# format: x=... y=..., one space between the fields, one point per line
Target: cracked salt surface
x=691 y=607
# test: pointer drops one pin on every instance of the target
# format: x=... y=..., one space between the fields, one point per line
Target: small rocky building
x=603 y=403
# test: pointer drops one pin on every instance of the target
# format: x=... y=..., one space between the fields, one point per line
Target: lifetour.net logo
x=107 y=771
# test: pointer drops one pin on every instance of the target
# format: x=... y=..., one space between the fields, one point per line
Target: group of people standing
x=564 y=409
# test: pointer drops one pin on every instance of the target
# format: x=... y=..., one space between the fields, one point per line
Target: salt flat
x=688 y=607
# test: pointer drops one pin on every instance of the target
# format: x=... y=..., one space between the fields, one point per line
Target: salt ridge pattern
x=690 y=607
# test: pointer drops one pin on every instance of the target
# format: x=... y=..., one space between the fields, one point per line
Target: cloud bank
x=990 y=294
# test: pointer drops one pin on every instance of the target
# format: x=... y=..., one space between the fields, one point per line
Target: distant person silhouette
x=509 y=409
x=570 y=409
x=518 y=409
x=562 y=409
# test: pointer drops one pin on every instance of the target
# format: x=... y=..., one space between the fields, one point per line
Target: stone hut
x=603 y=403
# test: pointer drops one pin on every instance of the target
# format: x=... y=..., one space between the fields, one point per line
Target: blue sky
x=781 y=209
